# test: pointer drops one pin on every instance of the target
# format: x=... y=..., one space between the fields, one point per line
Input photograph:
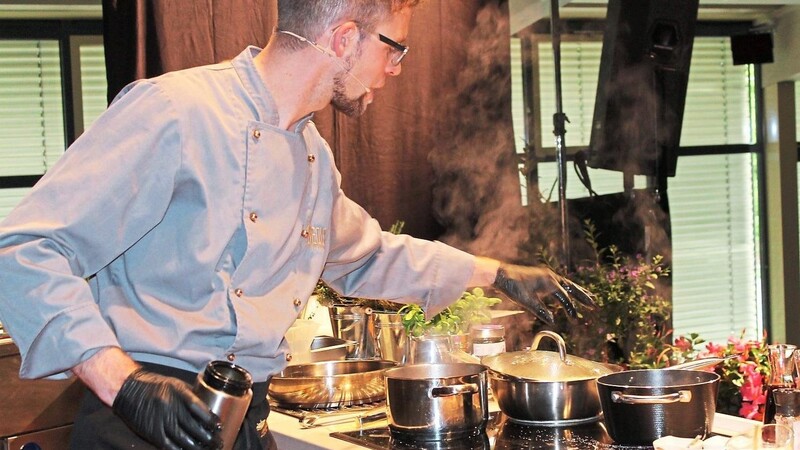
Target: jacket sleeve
x=111 y=187
x=369 y=263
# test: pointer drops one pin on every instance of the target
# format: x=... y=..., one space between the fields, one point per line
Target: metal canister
x=227 y=390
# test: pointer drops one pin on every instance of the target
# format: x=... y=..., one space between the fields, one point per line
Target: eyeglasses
x=400 y=50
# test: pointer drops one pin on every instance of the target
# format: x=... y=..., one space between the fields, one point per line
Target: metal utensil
x=702 y=363
x=336 y=418
x=332 y=347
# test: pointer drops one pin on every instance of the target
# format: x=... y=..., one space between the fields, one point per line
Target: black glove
x=166 y=412
x=527 y=286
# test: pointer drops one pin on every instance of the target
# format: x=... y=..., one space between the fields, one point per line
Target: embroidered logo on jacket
x=315 y=236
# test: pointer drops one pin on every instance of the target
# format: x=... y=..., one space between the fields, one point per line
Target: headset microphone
x=328 y=52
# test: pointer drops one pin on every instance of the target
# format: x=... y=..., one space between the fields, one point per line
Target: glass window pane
x=718 y=98
x=580 y=67
x=93 y=82
x=31 y=112
x=716 y=269
x=713 y=198
x=9 y=199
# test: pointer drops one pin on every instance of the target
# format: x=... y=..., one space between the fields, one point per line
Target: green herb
x=470 y=309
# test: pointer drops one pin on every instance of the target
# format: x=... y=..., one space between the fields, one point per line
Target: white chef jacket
x=184 y=227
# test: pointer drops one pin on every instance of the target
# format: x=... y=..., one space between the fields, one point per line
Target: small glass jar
x=787 y=410
x=488 y=340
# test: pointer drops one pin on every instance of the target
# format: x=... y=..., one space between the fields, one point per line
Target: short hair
x=309 y=18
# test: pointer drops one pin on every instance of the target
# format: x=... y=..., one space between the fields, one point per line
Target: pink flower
x=739 y=345
x=683 y=344
x=749 y=410
x=715 y=349
x=753 y=392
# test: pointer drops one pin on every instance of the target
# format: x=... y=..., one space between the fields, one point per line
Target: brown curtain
x=146 y=38
x=387 y=156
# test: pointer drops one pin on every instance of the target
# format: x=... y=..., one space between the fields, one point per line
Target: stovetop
x=501 y=433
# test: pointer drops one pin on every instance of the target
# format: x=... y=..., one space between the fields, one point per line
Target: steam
x=476 y=192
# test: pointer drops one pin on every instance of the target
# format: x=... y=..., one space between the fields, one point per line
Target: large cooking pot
x=434 y=402
x=640 y=406
x=330 y=384
x=544 y=387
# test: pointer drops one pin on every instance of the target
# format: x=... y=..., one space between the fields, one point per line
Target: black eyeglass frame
x=402 y=49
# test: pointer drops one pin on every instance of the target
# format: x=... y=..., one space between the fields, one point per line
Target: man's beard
x=352 y=107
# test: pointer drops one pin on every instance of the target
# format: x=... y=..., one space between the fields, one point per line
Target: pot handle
x=631 y=399
x=562 y=346
x=456 y=389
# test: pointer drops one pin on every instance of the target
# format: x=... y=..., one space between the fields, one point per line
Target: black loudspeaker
x=751 y=48
x=641 y=91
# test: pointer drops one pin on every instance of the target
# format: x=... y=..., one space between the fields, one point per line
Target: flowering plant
x=742 y=379
x=632 y=315
x=630 y=327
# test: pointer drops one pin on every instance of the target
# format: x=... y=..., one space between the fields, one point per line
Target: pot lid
x=542 y=365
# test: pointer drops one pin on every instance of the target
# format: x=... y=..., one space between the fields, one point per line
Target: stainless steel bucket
x=355 y=323
x=390 y=334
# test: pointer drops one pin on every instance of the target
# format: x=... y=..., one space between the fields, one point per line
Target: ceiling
x=526 y=12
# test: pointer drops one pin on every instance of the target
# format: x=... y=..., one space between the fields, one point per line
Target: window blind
x=31 y=107
x=31 y=112
x=93 y=82
x=716 y=264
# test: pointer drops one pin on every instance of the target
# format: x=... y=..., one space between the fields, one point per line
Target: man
x=193 y=220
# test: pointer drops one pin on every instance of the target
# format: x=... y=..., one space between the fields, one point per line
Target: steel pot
x=640 y=406
x=544 y=387
x=330 y=384
x=433 y=402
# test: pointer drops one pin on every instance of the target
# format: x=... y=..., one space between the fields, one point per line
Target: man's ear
x=345 y=37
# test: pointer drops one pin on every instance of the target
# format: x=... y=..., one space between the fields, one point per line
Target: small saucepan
x=436 y=402
x=546 y=388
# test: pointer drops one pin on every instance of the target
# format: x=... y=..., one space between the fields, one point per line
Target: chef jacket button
x=288 y=357
x=297 y=302
x=304 y=233
x=257 y=134
x=311 y=158
x=238 y=292
x=253 y=217
x=231 y=357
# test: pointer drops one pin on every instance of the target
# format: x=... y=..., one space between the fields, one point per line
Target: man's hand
x=527 y=286
x=166 y=412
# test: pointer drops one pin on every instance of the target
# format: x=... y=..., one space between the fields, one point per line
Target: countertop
x=290 y=435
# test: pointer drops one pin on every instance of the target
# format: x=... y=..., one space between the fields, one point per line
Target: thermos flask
x=227 y=389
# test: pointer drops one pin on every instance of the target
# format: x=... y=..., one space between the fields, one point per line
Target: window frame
x=592 y=29
x=70 y=34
